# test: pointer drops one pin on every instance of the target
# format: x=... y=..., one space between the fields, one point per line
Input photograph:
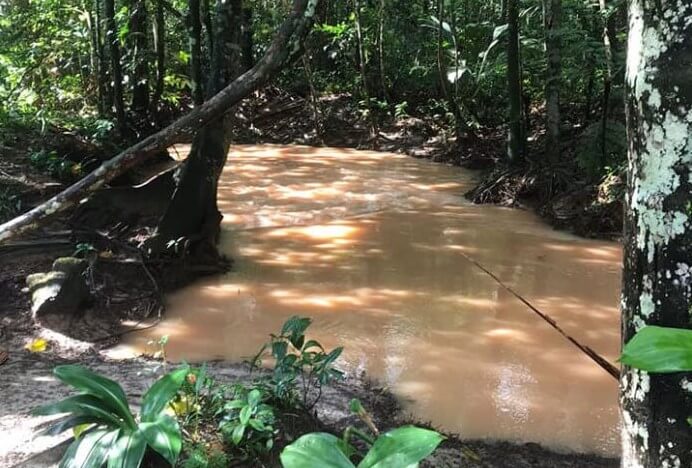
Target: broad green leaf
x=315 y=450
x=105 y=389
x=163 y=435
x=254 y=397
x=245 y=414
x=401 y=447
x=92 y=450
x=238 y=433
x=659 y=349
x=128 y=451
x=82 y=405
x=68 y=423
x=162 y=392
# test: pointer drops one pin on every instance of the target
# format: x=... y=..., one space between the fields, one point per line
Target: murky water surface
x=370 y=245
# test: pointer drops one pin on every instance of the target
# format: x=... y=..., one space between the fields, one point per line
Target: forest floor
x=128 y=291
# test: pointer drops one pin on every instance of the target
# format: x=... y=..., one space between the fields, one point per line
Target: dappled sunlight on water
x=372 y=247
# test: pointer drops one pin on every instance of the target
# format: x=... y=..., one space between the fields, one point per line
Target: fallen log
x=285 y=47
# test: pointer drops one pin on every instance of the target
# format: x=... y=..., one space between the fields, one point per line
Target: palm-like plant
x=114 y=436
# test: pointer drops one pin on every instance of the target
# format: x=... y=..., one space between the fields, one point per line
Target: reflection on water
x=368 y=244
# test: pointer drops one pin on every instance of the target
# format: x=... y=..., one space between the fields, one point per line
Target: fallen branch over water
x=285 y=47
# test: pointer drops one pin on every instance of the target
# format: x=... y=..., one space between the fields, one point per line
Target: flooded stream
x=375 y=247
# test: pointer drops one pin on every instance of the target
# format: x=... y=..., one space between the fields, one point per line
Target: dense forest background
x=545 y=77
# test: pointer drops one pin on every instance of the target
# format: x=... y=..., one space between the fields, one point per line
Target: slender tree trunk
x=286 y=47
x=195 y=37
x=657 y=279
x=361 y=50
x=380 y=51
x=247 y=41
x=607 y=81
x=515 y=143
x=460 y=123
x=116 y=70
x=105 y=90
x=208 y=23
x=160 y=47
x=362 y=61
x=552 y=13
x=95 y=52
x=140 y=50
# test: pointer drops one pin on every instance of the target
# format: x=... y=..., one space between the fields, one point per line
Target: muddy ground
x=127 y=291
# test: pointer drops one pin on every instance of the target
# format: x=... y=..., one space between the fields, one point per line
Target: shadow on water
x=369 y=245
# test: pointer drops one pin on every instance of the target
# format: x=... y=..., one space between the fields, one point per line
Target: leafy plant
x=297 y=359
x=248 y=421
x=54 y=165
x=400 y=447
x=202 y=458
x=659 y=350
x=114 y=435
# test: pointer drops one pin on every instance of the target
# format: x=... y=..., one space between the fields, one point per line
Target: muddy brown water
x=375 y=247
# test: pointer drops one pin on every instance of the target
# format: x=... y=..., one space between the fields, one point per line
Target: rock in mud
x=60 y=291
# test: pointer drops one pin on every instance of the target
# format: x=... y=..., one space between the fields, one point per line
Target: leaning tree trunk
x=286 y=47
x=140 y=63
x=116 y=70
x=657 y=282
x=515 y=140
x=552 y=12
x=192 y=213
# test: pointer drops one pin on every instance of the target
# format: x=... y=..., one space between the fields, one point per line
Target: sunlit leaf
x=659 y=349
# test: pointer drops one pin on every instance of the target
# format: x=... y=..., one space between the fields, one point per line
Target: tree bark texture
x=657 y=277
x=116 y=69
x=515 y=141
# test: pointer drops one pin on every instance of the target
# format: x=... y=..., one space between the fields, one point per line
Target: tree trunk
x=607 y=80
x=552 y=12
x=515 y=141
x=140 y=63
x=460 y=123
x=160 y=46
x=192 y=213
x=380 y=51
x=286 y=47
x=247 y=41
x=116 y=70
x=195 y=37
x=657 y=279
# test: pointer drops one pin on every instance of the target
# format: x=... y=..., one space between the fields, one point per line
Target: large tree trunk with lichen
x=657 y=282
x=286 y=47
x=193 y=214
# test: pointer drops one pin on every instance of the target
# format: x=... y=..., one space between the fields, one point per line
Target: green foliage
x=298 y=360
x=248 y=421
x=114 y=435
x=401 y=447
x=201 y=458
x=660 y=350
x=54 y=165
x=83 y=250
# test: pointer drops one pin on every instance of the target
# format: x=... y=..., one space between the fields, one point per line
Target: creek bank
x=29 y=382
